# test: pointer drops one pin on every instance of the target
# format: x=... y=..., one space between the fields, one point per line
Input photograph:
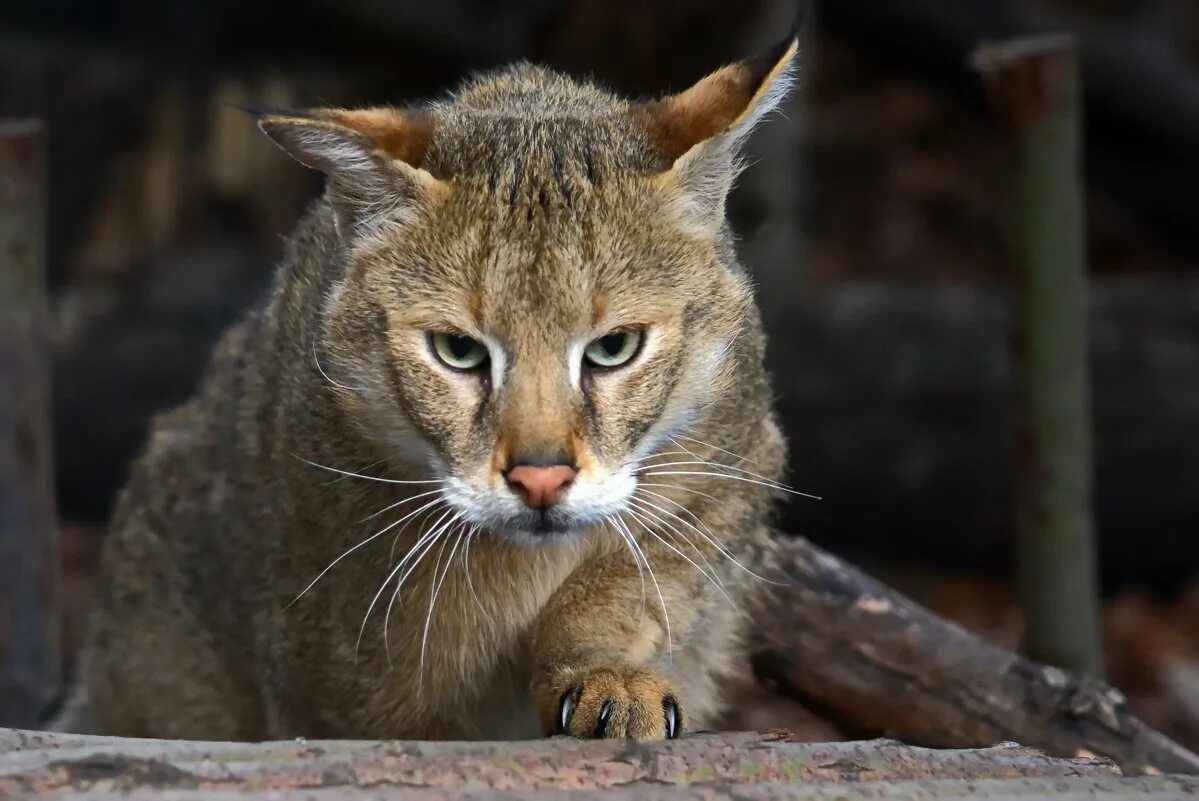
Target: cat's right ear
x=699 y=132
x=372 y=157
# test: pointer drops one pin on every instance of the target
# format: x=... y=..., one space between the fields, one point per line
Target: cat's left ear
x=373 y=158
x=700 y=131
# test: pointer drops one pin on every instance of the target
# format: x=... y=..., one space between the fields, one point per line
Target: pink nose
x=541 y=487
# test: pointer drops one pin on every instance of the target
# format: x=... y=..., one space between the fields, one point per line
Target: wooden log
x=828 y=636
x=29 y=620
x=873 y=662
x=747 y=766
x=1033 y=85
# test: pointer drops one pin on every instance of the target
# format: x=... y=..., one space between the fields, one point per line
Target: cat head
x=535 y=285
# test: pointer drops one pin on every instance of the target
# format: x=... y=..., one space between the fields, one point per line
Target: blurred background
x=874 y=219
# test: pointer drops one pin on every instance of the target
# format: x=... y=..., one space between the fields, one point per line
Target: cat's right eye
x=458 y=351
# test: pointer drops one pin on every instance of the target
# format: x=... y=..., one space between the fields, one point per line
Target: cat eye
x=459 y=351
x=614 y=349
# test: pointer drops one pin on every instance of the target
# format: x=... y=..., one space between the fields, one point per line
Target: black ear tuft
x=258 y=112
x=801 y=18
x=762 y=64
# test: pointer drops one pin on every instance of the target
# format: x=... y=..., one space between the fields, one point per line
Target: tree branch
x=872 y=661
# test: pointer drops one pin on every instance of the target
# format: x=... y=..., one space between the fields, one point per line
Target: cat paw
x=619 y=704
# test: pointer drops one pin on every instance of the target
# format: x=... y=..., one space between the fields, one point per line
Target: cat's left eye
x=614 y=349
x=459 y=351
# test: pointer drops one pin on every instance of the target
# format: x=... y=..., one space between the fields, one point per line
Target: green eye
x=613 y=350
x=458 y=351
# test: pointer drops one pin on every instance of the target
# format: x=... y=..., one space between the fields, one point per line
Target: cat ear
x=700 y=131
x=371 y=156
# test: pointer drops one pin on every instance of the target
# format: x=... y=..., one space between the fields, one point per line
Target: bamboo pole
x=1033 y=84
x=29 y=623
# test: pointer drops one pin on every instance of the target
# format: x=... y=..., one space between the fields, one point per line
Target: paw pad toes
x=611 y=704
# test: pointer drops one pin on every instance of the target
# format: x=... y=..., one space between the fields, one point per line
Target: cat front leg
x=597 y=643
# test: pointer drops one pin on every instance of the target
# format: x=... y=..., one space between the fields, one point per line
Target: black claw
x=670 y=708
x=566 y=709
x=601 y=723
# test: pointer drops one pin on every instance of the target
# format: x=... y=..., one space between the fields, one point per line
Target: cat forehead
x=531 y=159
x=527 y=128
x=549 y=191
x=559 y=265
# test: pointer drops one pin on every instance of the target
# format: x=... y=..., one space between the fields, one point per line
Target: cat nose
x=541 y=487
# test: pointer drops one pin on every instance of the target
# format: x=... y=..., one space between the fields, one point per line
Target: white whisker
x=391 y=574
x=719 y=465
x=706 y=533
x=349 y=551
x=677 y=437
x=661 y=454
x=317 y=362
x=625 y=537
x=349 y=473
x=470 y=583
x=710 y=536
x=395 y=540
x=424 y=640
x=642 y=503
x=370 y=466
x=735 y=478
x=657 y=589
x=431 y=538
x=705 y=573
x=389 y=507
x=677 y=487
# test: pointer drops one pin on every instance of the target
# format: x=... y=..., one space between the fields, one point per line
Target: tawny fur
x=531 y=210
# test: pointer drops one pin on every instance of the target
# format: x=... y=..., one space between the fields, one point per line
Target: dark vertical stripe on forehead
x=589 y=161
x=518 y=179
x=560 y=179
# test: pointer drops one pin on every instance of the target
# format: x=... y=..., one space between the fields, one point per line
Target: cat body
x=495 y=458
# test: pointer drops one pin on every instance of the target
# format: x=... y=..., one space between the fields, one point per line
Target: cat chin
x=540 y=531
x=533 y=539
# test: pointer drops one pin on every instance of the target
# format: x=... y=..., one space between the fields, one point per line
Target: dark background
x=873 y=219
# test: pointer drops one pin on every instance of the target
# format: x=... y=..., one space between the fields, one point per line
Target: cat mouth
x=545 y=522
x=548 y=523
x=543 y=525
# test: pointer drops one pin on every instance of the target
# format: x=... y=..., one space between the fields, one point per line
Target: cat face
x=576 y=340
x=536 y=284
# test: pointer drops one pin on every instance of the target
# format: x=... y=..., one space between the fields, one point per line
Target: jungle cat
x=495 y=457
